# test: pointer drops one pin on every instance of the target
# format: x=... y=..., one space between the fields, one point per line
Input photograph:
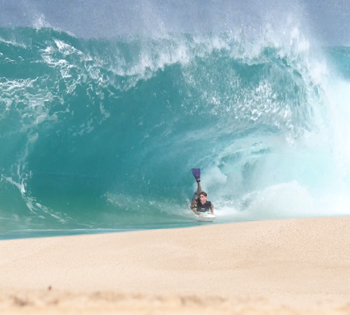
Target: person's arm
x=194 y=200
x=212 y=208
x=194 y=207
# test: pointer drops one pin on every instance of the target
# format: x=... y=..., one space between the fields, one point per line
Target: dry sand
x=299 y=266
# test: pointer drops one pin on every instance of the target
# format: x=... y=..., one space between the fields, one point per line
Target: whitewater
x=100 y=135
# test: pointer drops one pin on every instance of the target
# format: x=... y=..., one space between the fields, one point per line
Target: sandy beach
x=295 y=266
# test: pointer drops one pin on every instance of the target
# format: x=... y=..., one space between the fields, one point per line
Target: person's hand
x=198 y=180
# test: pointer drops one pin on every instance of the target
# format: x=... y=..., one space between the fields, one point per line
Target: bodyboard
x=205 y=217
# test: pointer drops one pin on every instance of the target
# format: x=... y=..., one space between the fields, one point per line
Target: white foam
x=40 y=21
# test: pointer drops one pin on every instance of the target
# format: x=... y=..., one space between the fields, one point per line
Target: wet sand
x=295 y=266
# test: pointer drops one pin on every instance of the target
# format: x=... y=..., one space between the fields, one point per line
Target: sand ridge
x=290 y=265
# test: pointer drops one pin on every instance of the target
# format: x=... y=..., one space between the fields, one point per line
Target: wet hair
x=203 y=193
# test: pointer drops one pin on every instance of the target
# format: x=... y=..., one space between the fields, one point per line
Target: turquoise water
x=101 y=135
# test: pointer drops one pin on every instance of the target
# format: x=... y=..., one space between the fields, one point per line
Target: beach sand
x=294 y=266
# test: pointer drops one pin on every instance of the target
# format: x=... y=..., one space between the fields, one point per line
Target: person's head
x=202 y=197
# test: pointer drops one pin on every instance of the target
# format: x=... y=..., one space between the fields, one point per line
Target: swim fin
x=196 y=173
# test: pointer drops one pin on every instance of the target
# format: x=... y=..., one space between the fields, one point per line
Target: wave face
x=100 y=135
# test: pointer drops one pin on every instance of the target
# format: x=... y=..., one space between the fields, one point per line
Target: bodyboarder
x=199 y=203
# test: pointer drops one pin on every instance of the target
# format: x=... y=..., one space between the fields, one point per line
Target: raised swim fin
x=196 y=173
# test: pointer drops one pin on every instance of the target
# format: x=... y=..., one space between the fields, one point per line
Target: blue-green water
x=101 y=135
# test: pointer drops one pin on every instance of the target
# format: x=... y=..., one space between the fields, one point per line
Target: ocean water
x=101 y=135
